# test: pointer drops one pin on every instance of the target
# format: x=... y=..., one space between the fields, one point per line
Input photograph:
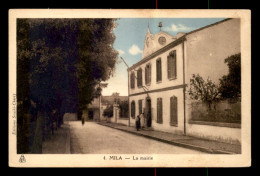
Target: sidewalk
x=59 y=142
x=194 y=143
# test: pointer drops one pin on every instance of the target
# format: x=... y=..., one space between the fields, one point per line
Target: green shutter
x=157 y=70
x=161 y=115
x=160 y=70
x=174 y=66
x=169 y=66
x=146 y=81
x=132 y=80
x=140 y=106
x=133 y=109
x=171 y=110
x=159 y=110
x=174 y=110
x=139 y=77
x=150 y=73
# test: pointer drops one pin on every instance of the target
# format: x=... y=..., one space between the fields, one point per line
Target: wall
x=207 y=49
x=165 y=95
x=223 y=134
x=165 y=81
x=153 y=44
x=205 y=52
x=123 y=121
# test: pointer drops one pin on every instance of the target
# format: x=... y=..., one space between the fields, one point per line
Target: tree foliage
x=124 y=106
x=60 y=62
x=205 y=91
x=230 y=85
x=108 y=112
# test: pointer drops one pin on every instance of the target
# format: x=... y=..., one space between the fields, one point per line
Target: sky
x=130 y=36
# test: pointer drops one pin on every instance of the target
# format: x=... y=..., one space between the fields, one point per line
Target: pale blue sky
x=130 y=36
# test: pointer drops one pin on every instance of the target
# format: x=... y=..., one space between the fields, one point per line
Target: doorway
x=90 y=115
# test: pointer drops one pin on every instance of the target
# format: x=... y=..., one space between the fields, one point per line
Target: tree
x=205 y=91
x=60 y=63
x=230 y=85
x=97 y=58
x=123 y=105
x=108 y=112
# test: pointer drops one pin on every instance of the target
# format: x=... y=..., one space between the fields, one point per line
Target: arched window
x=173 y=110
x=171 y=64
x=132 y=80
x=148 y=74
x=139 y=78
x=133 y=109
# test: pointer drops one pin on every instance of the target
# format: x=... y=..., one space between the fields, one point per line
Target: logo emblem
x=22 y=159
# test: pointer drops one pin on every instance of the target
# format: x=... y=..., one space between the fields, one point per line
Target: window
x=132 y=78
x=140 y=106
x=173 y=110
x=158 y=70
x=159 y=110
x=171 y=63
x=139 y=78
x=133 y=109
x=148 y=74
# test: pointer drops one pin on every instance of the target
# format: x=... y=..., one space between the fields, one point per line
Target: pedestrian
x=82 y=120
x=137 y=123
x=142 y=120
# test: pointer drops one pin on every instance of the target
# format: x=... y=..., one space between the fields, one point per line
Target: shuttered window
x=140 y=106
x=171 y=65
x=133 y=109
x=158 y=70
x=139 y=78
x=173 y=110
x=159 y=110
x=132 y=80
x=148 y=74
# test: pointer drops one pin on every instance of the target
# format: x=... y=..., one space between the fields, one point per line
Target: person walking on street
x=137 y=123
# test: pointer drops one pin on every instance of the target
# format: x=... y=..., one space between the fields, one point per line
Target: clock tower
x=154 y=42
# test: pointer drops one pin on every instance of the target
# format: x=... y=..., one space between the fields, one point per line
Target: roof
x=172 y=44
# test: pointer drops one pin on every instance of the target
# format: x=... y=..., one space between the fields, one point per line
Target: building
x=158 y=82
x=98 y=105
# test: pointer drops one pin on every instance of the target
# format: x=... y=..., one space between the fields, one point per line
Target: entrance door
x=149 y=112
x=90 y=115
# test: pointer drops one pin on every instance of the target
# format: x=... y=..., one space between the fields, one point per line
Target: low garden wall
x=222 y=132
x=222 y=124
x=123 y=121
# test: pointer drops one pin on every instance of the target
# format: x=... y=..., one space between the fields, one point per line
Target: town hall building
x=158 y=83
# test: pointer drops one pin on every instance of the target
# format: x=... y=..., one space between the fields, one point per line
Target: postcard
x=129 y=88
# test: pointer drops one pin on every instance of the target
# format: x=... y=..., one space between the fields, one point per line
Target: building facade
x=98 y=105
x=158 y=82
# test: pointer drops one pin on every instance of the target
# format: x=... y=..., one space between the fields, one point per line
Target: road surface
x=92 y=138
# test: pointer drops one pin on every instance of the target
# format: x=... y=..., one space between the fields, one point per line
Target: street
x=92 y=138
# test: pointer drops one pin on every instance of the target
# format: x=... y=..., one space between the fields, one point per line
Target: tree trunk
x=38 y=135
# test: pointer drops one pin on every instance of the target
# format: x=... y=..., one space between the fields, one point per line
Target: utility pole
x=128 y=92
